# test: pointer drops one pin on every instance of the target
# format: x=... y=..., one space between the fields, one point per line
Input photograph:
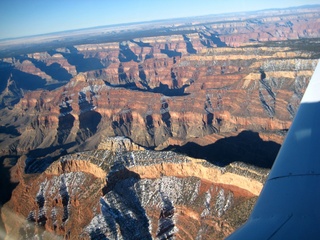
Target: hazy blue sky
x=30 y=17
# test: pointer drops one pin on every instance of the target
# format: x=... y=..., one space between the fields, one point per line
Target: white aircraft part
x=289 y=204
x=312 y=93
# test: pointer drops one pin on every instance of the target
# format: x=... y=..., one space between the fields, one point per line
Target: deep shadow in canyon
x=55 y=70
x=38 y=160
x=6 y=186
x=162 y=88
x=126 y=54
x=246 y=147
x=75 y=58
x=6 y=162
x=190 y=48
x=121 y=184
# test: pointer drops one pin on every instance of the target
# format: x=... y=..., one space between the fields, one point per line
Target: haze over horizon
x=27 y=18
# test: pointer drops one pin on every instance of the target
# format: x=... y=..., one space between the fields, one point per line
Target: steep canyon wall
x=224 y=91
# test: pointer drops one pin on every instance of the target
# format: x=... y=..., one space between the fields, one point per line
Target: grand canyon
x=163 y=130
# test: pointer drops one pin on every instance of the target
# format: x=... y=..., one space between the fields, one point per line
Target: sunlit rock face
x=130 y=195
x=218 y=93
x=225 y=91
x=217 y=80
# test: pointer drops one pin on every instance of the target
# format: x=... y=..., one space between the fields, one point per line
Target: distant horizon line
x=150 y=21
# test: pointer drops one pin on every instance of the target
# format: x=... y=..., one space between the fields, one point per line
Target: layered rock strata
x=223 y=90
x=130 y=194
x=202 y=98
x=218 y=91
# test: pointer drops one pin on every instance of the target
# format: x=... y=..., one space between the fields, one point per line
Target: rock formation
x=224 y=90
x=130 y=194
x=166 y=99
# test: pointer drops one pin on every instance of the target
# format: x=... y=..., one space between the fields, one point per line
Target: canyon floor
x=149 y=131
